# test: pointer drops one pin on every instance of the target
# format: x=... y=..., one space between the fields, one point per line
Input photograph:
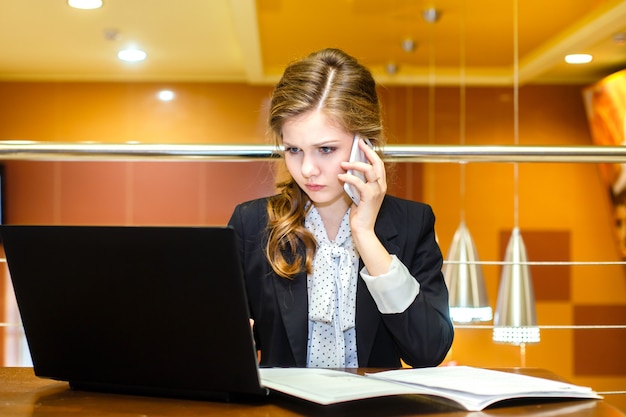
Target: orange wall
x=122 y=112
x=553 y=198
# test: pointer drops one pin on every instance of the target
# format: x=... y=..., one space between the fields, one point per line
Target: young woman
x=331 y=283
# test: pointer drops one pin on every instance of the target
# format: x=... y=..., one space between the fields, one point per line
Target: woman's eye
x=292 y=150
x=327 y=149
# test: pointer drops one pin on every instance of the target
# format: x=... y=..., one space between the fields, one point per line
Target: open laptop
x=149 y=310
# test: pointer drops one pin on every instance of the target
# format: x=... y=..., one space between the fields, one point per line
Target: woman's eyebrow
x=324 y=143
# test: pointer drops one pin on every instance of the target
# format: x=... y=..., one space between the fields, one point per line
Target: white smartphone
x=356 y=155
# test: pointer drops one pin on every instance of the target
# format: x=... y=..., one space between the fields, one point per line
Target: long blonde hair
x=337 y=84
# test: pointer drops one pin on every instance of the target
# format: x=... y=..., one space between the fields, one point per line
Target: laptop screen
x=156 y=310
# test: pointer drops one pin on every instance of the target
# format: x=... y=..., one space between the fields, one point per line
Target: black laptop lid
x=157 y=310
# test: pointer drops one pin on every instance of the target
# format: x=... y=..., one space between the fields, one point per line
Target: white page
x=326 y=386
x=479 y=381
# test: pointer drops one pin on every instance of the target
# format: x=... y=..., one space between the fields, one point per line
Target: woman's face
x=315 y=146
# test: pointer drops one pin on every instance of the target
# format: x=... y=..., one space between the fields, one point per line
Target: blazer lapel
x=292 y=298
x=367 y=315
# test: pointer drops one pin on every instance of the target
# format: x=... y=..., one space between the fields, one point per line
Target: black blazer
x=421 y=335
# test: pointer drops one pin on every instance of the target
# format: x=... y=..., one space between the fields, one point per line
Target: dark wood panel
x=600 y=351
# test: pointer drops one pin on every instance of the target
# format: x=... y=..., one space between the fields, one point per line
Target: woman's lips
x=314 y=187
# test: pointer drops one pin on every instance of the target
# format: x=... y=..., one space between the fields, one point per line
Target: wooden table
x=24 y=394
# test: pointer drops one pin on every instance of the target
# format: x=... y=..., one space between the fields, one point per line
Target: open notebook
x=463 y=387
x=151 y=310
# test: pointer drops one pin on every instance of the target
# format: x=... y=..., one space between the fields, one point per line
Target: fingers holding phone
x=364 y=164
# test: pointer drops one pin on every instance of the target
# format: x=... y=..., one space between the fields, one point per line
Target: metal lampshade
x=515 y=320
x=464 y=278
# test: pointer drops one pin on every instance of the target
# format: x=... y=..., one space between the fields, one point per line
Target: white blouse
x=332 y=294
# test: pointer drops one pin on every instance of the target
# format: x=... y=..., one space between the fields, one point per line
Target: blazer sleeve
x=423 y=333
x=248 y=220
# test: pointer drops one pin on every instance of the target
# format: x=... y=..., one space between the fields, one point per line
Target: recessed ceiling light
x=131 y=55
x=408 y=45
x=391 y=68
x=85 y=4
x=578 y=58
x=166 y=95
x=431 y=14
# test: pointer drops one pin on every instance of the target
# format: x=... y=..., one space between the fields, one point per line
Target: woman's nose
x=309 y=166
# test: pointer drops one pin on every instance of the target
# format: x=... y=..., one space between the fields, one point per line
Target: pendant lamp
x=463 y=273
x=465 y=281
x=515 y=320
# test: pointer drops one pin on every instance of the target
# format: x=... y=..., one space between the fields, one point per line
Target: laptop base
x=186 y=394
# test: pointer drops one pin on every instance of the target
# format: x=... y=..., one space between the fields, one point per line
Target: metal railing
x=28 y=150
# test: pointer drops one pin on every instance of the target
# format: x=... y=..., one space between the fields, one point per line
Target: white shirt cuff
x=393 y=291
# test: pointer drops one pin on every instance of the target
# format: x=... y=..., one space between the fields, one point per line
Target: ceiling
x=474 y=42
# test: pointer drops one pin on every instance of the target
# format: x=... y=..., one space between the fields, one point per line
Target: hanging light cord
x=515 y=110
x=462 y=95
x=431 y=85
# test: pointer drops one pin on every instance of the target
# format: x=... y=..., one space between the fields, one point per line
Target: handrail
x=53 y=151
